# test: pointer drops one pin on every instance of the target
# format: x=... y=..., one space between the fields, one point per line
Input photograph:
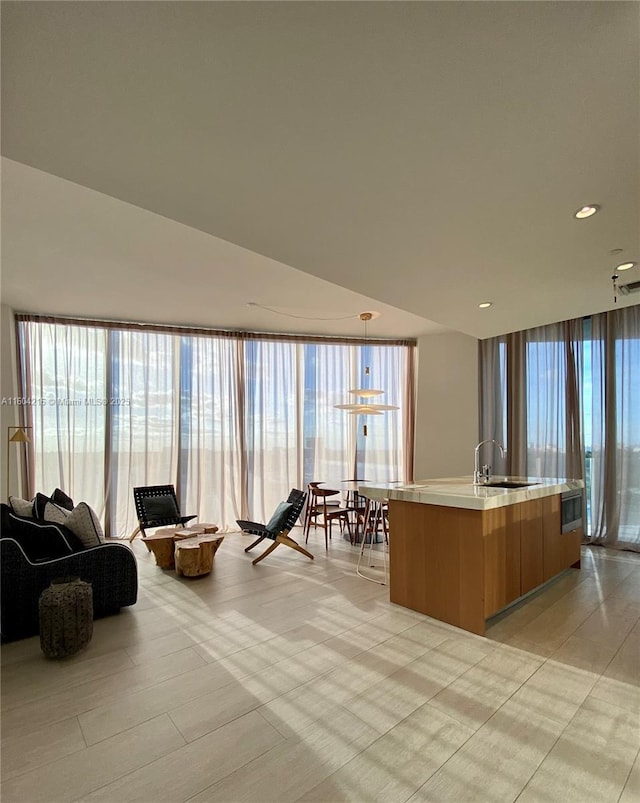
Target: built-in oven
x=571 y=510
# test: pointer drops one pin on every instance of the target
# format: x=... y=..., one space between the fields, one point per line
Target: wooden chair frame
x=317 y=507
x=297 y=499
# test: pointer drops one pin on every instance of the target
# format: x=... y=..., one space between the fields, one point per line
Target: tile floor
x=299 y=681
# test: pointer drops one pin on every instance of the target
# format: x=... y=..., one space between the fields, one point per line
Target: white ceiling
x=96 y=257
x=320 y=159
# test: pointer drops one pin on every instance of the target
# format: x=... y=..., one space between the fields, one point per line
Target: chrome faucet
x=481 y=477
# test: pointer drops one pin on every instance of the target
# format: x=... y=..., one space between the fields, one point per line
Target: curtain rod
x=198 y=331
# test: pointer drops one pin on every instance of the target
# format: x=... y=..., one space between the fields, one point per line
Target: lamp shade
x=20 y=436
x=366 y=407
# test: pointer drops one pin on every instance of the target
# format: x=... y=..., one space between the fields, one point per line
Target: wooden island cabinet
x=463 y=564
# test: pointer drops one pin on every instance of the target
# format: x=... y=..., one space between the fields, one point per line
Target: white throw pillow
x=55 y=514
x=21 y=507
x=84 y=523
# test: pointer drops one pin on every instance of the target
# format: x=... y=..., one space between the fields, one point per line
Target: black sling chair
x=278 y=527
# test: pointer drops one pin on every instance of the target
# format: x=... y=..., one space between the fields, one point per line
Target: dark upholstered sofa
x=33 y=553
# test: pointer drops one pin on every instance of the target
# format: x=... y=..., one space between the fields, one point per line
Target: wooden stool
x=161 y=544
x=194 y=556
x=66 y=617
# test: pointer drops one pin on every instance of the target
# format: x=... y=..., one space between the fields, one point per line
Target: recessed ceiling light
x=485 y=304
x=586 y=211
x=626 y=266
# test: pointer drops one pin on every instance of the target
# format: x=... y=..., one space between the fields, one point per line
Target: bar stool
x=375 y=514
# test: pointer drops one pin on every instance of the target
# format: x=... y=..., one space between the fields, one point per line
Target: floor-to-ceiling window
x=613 y=418
x=587 y=404
x=64 y=371
x=233 y=420
x=570 y=396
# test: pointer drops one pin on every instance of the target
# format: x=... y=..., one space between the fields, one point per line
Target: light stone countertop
x=461 y=492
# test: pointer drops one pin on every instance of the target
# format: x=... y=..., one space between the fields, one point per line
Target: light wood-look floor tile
x=585 y=653
x=497 y=760
x=480 y=691
x=23 y=753
x=397 y=764
x=78 y=774
x=631 y=791
x=293 y=767
x=555 y=691
x=591 y=760
x=608 y=626
x=616 y=692
x=625 y=664
x=91 y=694
x=190 y=769
x=294 y=712
x=131 y=709
x=298 y=680
x=22 y=684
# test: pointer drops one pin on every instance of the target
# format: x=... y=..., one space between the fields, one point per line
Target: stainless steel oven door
x=571 y=510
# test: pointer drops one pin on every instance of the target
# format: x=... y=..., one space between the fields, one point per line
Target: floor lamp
x=19 y=436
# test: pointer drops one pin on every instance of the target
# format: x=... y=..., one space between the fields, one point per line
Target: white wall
x=447 y=405
x=8 y=390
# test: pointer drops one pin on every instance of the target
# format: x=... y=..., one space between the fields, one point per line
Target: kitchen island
x=461 y=552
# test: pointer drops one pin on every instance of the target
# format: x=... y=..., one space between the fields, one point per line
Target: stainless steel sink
x=507 y=484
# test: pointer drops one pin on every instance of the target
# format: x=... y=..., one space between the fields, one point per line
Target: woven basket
x=66 y=617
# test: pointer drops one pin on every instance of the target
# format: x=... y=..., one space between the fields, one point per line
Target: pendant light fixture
x=366 y=407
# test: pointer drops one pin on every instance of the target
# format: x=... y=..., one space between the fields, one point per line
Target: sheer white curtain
x=329 y=434
x=212 y=464
x=572 y=406
x=530 y=399
x=553 y=400
x=493 y=392
x=65 y=374
x=143 y=418
x=613 y=421
x=233 y=422
x=380 y=452
x=272 y=418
